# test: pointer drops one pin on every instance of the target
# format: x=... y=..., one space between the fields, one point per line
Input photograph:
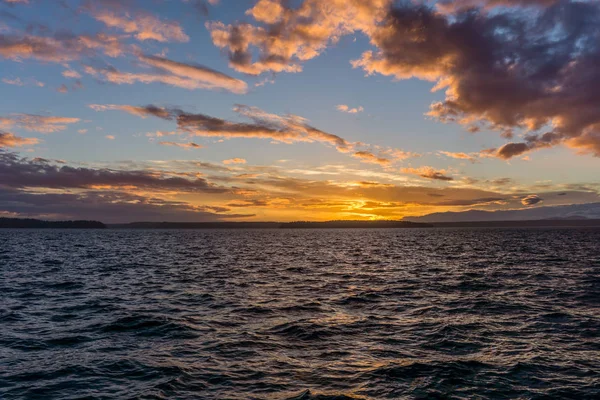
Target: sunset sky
x=272 y=110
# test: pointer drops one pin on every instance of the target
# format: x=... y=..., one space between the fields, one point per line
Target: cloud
x=165 y=190
x=110 y=137
x=27 y=82
x=61 y=48
x=37 y=123
x=69 y=73
x=370 y=158
x=501 y=181
x=531 y=200
x=533 y=71
x=287 y=37
x=142 y=112
x=15 y=82
x=455 y=6
x=428 y=173
x=62 y=88
x=190 y=145
x=460 y=156
x=27 y=173
x=171 y=73
x=108 y=207
x=588 y=143
x=203 y=75
x=234 y=161
x=144 y=26
x=502 y=70
x=508 y=151
x=347 y=109
x=264 y=125
x=9 y=140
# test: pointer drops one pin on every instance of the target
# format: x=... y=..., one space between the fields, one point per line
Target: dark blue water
x=300 y=314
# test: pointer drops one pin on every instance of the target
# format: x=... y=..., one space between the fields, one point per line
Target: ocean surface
x=300 y=314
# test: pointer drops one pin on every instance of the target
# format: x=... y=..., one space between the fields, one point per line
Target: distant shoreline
x=28 y=223
x=18 y=223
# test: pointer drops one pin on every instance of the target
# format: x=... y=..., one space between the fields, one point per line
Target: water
x=300 y=314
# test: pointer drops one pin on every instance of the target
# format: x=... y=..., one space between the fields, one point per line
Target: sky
x=273 y=110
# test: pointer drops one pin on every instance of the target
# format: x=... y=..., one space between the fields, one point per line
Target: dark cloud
x=106 y=206
x=428 y=173
x=531 y=200
x=501 y=181
x=528 y=66
x=20 y=172
x=263 y=125
x=503 y=70
x=463 y=5
x=470 y=202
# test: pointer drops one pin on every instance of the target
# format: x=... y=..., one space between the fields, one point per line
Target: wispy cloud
x=27 y=82
x=201 y=74
x=460 y=156
x=264 y=125
x=349 y=110
x=190 y=145
x=61 y=49
x=371 y=158
x=144 y=26
x=170 y=73
x=37 y=123
x=234 y=161
x=428 y=173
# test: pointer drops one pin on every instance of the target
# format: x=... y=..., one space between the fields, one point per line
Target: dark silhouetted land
x=271 y=225
x=16 y=223
x=550 y=223
x=541 y=223
x=355 y=224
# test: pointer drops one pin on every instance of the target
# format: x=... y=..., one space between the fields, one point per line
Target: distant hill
x=17 y=223
x=568 y=212
x=536 y=223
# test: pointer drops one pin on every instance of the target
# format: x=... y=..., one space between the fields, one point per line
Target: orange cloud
x=9 y=140
x=371 y=158
x=286 y=129
x=504 y=82
x=428 y=173
x=460 y=156
x=347 y=109
x=143 y=26
x=292 y=36
x=142 y=112
x=201 y=74
x=174 y=74
x=234 y=161
x=37 y=123
x=59 y=50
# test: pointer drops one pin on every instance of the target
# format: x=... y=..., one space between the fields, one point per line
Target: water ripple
x=300 y=314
